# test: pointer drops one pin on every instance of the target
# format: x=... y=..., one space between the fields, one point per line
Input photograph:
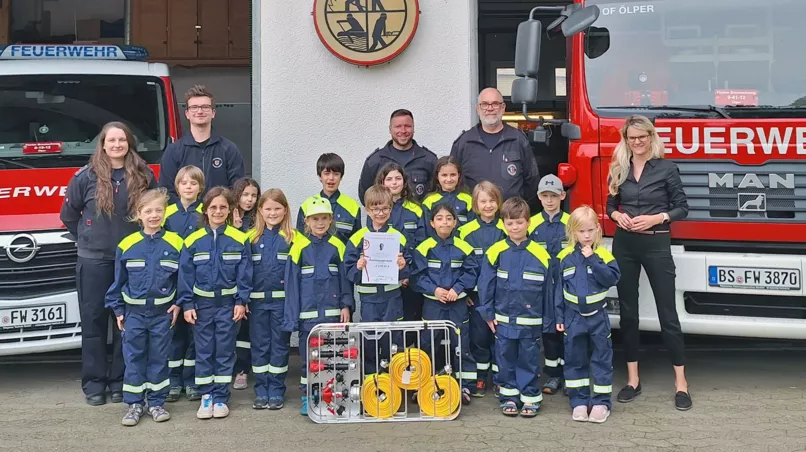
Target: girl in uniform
x=142 y=298
x=271 y=241
x=316 y=286
x=444 y=271
x=449 y=187
x=214 y=285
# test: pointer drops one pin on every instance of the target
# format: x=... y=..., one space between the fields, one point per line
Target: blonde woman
x=646 y=195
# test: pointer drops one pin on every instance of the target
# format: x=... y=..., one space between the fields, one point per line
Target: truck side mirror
x=527 y=48
x=524 y=90
x=580 y=20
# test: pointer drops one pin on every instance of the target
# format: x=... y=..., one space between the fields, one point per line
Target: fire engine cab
x=54 y=99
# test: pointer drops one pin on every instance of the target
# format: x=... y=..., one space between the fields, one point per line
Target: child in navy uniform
x=142 y=298
x=346 y=211
x=449 y=188
x=588 y=271
x=182 y=218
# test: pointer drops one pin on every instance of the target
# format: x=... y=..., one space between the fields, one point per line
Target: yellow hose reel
x=381 y=399
x=440 y=396
x=410 y=369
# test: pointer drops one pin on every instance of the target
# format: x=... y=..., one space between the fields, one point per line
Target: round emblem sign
x=366 y=32
x=512 y=169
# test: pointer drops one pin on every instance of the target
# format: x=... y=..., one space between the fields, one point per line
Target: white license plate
x=33 y=316
x=781 y=279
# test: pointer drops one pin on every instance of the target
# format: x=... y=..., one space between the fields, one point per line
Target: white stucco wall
x=308 y=101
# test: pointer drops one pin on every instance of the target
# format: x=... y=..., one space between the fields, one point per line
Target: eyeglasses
x=204 y=108
x=381 y=211
x=493 y=105
x=638 y=138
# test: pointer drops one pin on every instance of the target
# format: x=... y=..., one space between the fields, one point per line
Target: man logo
x=752 y=202
x=366 y=32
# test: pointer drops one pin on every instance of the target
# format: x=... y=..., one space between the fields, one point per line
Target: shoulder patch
x=426 y=245
x=564 y=218
x=467 y=199
x=536 y=220
x=539 y=252
x=500 y=225
x=173 y=239
x=468 y=228
x=565 y=252
x=417 y=210
x=605 y=254
x=431 y=199
x=194 y=236
x=235 y=234
x=130 y=240
x=349 y=204
x=333 y=240
x=495 y=250
x=356 y=238
x=402 y=237
x=462 y=245
x=300 y=242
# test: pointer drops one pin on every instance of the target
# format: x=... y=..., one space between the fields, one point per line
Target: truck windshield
x=53 y=121
x=738 y=54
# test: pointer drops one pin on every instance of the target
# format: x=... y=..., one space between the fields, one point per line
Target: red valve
x=319 y=366
x=327 y=395
x=317 y=341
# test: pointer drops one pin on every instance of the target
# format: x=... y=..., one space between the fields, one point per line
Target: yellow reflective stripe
x=278 y=294
x=243 y=344
x=602 y=389
x=189 y=362
x=482 y=366
x=434 y=264
x=366 y=289
x=257 y=257
x=456 y=264
x=130 y=240
x=581 y=383
x=308 y=315
x=303 y=380
x=552 y=363
x=277 y=370
x=528 y=321
x=204 y=380
x=135 y=389
x=527 y=276
x=391 y=287
x=203 y=293
x=173 y=364
x=467 y=375
x=494 y=367
x=231 y=291
x=161 y=385
x=570 y=271
x=135 y=301
x=199 y=257
x=532 y=399
x=170 y=264
x=509 y=392
x=260 y=369
x=222 y=379
x=306 y=271
x=570 y=297
x=163 y=300
x=333 y=267
x=502 y=274
x=595 y=298
x=501 y=318
x=258 y=295
x=332 y=312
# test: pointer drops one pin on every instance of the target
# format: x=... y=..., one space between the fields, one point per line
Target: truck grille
x=727 y=191
x=51 y=271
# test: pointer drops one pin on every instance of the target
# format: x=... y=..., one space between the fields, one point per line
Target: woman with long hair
x=100 y=202
x=646 y=195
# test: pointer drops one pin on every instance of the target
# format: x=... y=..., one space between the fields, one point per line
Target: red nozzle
x=350 y=353
x=327 y=395
x=317 y=342
x=316 y=366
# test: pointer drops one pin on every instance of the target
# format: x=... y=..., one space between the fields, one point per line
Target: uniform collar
x=219 y=230
x=188 y=140
x=158 y=235
x=491 y=224
x=191 y=208
x=315 y=239
x=556 y=218
x=383 y=229
x=330 y=198
x=522 y=246
x=414 y=149
x=441 y=241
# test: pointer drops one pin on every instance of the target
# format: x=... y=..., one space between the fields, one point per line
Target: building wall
x=307 y=101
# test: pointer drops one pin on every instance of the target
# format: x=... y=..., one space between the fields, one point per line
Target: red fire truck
x=724 y=82
x=54 y=99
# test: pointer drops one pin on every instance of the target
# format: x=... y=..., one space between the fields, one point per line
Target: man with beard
x=497 y=152
x=416 y=160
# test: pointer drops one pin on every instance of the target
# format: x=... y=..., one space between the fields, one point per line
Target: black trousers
x=93 y=278
x=652 y=252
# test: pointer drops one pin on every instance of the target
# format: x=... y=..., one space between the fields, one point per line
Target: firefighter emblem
x=217 y=162
x=512 y=169
x=366 y=32
x=420 y=189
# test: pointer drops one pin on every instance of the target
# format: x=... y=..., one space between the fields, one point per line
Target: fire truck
x=54 y=99
x=724 y=82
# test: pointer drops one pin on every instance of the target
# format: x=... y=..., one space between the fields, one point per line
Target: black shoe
x=628 y=393
x=96 y=399
x=117 y=397
x=682 y=401
x=260 y=403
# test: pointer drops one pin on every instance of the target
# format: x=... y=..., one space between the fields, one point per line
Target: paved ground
x=743 y=401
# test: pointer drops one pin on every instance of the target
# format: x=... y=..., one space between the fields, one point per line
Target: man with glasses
x=218 y=158
x=497 y=152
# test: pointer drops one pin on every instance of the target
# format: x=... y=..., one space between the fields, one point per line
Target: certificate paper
x=381 y=250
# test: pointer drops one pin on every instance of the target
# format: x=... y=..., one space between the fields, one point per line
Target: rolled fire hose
x=380 y=398
x=440 y=396
x=410 y=369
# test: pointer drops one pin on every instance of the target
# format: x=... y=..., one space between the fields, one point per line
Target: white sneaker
x=206 y=407
x=580 y=414
x=241 y=381
x=220 y=410
x=599 y=414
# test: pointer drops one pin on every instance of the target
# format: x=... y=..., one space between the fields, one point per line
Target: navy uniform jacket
x=420 y=168
x=215 y=264
x=97 y=235
x=183 y=221
x=549 y=233
x=269 y=259
x=146 y=269
x=481 y=236
x=316 y=285
x=585 y=281
x=445 y=263
x=407 y=217
x=514 y=287
x=373 y=293
x=346 y=215
x=219 y=160
x=510 y=164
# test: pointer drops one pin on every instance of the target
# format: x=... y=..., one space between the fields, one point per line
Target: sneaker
x=220 y=410
x=480 y=390
x=466 y=396
x=193 y=393
x=580 y=414
x=174 y=394
x=260 y=403
x=276 y=403
x=206 y=407
x=628 y=393
x=133 y=415
x=240 y=381
x=304 y=410
x=159 y=414
x=552 y=385
x=599 y=414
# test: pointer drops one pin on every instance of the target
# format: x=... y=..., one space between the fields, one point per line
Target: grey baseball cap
x=550 y=183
